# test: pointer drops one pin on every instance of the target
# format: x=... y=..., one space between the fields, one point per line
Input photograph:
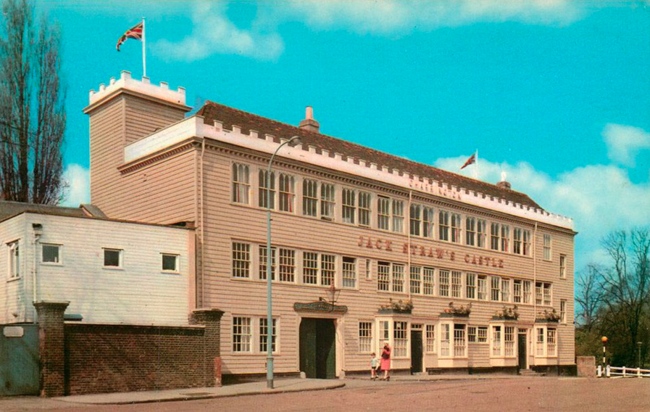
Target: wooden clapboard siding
x=195 y=184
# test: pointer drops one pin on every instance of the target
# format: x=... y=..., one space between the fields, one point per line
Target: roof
x=10 y=209
x=229 y=116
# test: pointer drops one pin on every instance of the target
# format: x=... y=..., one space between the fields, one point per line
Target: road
x=511 y=394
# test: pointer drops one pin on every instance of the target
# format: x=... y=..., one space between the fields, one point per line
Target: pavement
x=281 y=385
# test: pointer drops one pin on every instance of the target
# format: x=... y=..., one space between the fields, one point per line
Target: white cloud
x=77 y=191
x=214 y=33
x=398 y=16
x=599 y=198
x=624 y=143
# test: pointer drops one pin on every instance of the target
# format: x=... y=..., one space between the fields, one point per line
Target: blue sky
x=554 y=93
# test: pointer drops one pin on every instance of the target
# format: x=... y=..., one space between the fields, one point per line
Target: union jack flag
x=472 y=159
x=135 y=32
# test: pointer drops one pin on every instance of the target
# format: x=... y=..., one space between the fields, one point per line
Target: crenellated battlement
x=267 y=143
x=143 y=86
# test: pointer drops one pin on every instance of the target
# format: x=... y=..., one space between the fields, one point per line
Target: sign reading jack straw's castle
x=428 y=251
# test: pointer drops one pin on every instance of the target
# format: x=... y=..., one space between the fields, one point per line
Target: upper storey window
x=390 y=214
x=521 y=243
x=240 y=183
x=318 y=199
x=421 y=221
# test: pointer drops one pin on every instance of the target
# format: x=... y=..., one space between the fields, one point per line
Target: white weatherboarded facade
x=110 y=271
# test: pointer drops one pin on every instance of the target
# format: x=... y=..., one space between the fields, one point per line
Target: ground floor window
x=545 y=341
x=249 y=333
x=400 y=339
x=453 y=340
x=365 y=336
x=431 y=338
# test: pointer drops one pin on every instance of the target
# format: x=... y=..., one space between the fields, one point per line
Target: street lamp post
x=604 y=340
x=269 y=299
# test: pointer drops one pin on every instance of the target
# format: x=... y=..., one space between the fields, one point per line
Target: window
x=383 y=213
x=563 y=311
x=527 y=291
x=319 y=268
x=242 y=337
x=415 y=219
x=430 y=343
x=482 y=288
x=563 y=266
x=365 y=337
x=495 y=236
x=505 y=290
x=495 y=290
x=287 y=267
x=287 y=193
x=482 y=334
x=421 y=221
x=443 y=283
x=263 y=262
x=310 y=197
x=516 y=296
x=443 y=225
x=398 y=216
x=349 y=206
x=551 y=342
x=400 y=339
x=456 y=229
x=428 y=280
x=547 y=247
x=170 y=263
x=267 y=189
x=543 y=293
x=390 y=214
x=264 y=335
x=546 y=342
x=456 y=284
x=470 y=231
x=415 y=279
x=240 y=183
x=496 y=340
x=481 y=233
x=241 y=260
x=521 y=243
x=445 y=344
x=327 y=201
x=470 y=289
x=349 y=272
x=505 y=238
x=364 y=209
x=14 y=260
x=51 y=253
x=390 y=277
x=460 y=343
x=509 y=341
x=471 y=334
x=112 y=258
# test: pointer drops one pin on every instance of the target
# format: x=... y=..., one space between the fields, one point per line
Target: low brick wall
x=78 y=358
x=125 y=358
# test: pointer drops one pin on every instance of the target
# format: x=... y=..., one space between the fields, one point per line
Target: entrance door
x=521 y=350
x=318 y=348
x=416 y=351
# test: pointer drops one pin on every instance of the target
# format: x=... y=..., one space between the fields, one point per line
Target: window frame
x=241 y=188
x=13 y=260
x=177 y=263
x=58 y=261
x=120 y=258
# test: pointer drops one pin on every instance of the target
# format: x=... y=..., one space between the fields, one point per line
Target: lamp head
x=294 y=141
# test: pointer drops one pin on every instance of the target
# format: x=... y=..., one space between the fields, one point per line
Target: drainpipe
x=202 y=228
x=38 y=231
x=534 y=290
x=408 y=231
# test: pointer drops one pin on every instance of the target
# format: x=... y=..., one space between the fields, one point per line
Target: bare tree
x=32 y=110
x=626 y=292
x=589 y=296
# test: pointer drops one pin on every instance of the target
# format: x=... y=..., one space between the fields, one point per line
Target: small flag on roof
x=472 y=159
x=135 y=32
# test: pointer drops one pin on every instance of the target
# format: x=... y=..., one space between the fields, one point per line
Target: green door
x=19 y=373
x=317 y=348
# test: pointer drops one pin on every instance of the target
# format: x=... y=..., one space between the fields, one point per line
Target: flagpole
x=144 y=50
x=476 y=161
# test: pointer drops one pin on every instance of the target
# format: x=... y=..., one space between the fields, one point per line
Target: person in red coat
x=385 y=361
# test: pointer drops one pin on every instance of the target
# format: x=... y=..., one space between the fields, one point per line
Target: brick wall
x=78 y=358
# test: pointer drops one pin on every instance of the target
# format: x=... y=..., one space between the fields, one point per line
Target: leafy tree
x=32 y=109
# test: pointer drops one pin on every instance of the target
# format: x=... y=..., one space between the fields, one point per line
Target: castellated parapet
x=126 y=82
x=194 y=126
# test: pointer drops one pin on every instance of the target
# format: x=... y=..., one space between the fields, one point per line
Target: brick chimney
x=309 y=123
